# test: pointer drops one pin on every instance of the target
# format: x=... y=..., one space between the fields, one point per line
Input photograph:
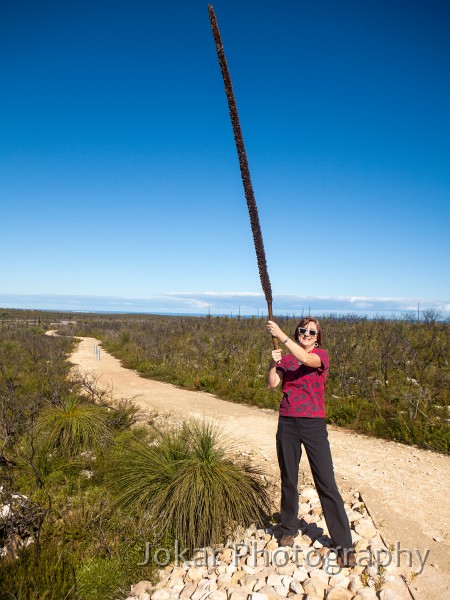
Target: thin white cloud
x=247 y=303
x=219 y=294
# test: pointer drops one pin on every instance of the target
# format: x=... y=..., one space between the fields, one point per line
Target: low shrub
x=44 y=573
x=72 y=428
x=188 y=480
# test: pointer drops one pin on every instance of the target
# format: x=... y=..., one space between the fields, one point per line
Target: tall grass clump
x=73 y=427
x=189 y=481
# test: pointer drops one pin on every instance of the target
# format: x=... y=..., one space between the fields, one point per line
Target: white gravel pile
x=254 y=567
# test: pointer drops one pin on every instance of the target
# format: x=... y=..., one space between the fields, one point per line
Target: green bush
x=46 y=573
x=343 y=414
x=99 y=577
x=73 y=428
x=188 y=480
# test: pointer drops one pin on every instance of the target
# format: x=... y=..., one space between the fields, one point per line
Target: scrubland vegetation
x=85 y=485
x=387 y=378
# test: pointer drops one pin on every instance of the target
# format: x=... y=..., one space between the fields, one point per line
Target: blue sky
x=119 y=176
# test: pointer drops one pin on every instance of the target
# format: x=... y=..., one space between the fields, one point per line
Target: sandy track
x=405 y=488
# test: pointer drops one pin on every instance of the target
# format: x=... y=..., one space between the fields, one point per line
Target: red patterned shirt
x=303 y=387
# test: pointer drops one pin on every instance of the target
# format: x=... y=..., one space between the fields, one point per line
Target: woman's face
x=306 y=339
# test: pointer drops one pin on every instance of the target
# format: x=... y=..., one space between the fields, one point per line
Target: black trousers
x=293 y=432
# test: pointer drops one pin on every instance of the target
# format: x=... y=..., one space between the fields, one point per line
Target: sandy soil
x=404 y=488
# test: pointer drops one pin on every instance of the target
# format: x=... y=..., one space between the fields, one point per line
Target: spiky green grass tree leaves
x=73 y=427
x=190 y=483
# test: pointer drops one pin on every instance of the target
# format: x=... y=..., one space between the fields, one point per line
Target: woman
x=303 y=373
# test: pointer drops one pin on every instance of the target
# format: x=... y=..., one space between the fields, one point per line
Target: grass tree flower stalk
x=245 y=171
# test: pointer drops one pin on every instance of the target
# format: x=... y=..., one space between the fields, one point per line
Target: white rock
x=249 y=570
x=197 y=595
x=178 y=572
x=269 y=592
x=242 y=549
x=226 y=556
x=355 y=583
x=332 y=570
x=354 y=516
x=373 y=571
x=300 y=574
x=314 y=586
x=164 y=582
x=194 y=574
x=366 y=593
x=249 y=582
x=274 y=580
x=260 y=583
x=217 y=595
x=280 y=557
x=355 y=536
x=205 y=583
x=256 y=596
x=387 y=594
x=238 y=595
x=260 y=544
x=365 y=528
x=224 y=579
x=188 y=590
x=339 y=580
x=287 y=570
x=312 y=560
x=176 y=581
x=361 y=544
x=304 y=508
x=339 y=593
x=296 y=587
x=309 y=493
x=163 y=594
x=142 y=586
x=320 y=575
x=260 y=533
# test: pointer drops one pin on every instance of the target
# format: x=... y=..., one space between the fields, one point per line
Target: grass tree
x=73 y=427
x=190 y=482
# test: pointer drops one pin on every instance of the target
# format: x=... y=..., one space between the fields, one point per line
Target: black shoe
x=346 y=558
x=286 y=540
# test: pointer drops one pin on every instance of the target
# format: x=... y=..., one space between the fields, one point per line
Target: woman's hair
x=303 y=323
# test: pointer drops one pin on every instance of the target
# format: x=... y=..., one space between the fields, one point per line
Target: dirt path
x=405 y=488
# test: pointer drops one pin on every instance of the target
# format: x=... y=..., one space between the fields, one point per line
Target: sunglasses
x=304 y=330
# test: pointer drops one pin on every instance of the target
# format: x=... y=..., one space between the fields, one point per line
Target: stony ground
x=254 y=566
x=403 y=488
